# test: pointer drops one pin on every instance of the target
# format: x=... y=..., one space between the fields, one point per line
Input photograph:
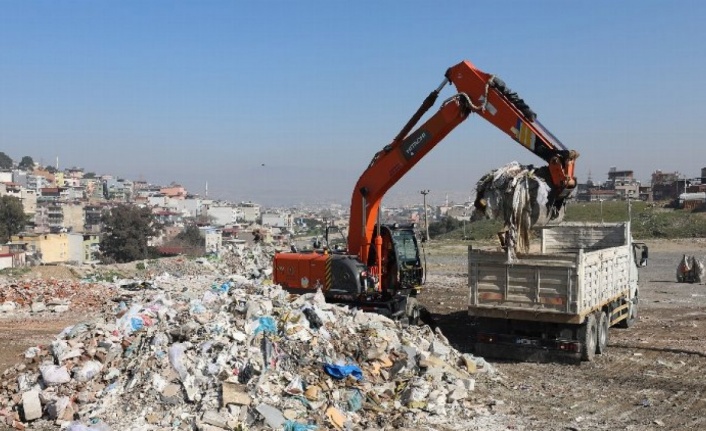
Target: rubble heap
x=52 y=296
x=213 y=353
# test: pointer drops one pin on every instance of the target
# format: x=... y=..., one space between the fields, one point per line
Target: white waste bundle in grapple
x=520 y=196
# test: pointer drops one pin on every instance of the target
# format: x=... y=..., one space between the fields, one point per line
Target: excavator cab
x=401 y=262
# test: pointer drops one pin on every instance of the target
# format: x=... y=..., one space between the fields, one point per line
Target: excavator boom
x=480 y=93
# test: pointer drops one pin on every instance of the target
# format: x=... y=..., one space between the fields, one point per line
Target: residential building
x=174 y=191
x=190 y=207
x=223 y=215
x=49 y=194
x=250 y=212
x=213 y=239
x=59 y=180
x=46 y=247
x=596 y=195
x=168 y=217
x=20 y=178
x=6 y=260
x=37 y=182
x=13 y=255
x=117 y=190
x=83 y=248
x=460 y=212
x=279 y=220
x=92 y=218
x=92 y=189
x=665 y=185
x=74 y=220
x=28 y=197
x=624 y=184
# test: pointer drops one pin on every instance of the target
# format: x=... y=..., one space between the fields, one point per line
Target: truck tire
x=603 y=327
x=588 y=338
x=632 y=314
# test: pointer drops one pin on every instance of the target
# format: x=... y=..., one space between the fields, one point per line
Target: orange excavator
x=381 y=268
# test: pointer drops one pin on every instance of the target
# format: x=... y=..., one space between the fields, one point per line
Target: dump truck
x=558 y=303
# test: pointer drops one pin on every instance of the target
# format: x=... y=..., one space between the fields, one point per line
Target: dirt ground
x=653 y=376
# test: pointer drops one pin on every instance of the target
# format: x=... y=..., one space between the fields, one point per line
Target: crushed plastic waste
x=342 y=371
x=186 y=355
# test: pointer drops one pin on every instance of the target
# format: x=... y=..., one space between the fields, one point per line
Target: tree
x=445 y=225
x=189 y=241
x=26 y=164
x=127 y=229
x=89 y=175
x=5 y=161
x=51 y=169
x=12 y=217
x=191 y=236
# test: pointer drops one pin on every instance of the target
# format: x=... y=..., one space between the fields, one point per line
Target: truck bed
x=580 y=268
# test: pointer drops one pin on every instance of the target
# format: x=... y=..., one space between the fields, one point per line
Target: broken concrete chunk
x=38 y=307
x=214 y=418
x=31 y=407
x=235 y=393
x=172 y=394
x=272 y=416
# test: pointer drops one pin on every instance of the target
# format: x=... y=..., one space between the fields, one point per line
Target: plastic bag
x=296 y=426
x=342 y=371
x=314 y=320
x=266 y=324
x=88 y=371
x=78 y=426
x=354 y=400
x=176 y=358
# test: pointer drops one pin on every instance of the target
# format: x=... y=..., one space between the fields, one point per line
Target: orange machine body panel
x=301 y=270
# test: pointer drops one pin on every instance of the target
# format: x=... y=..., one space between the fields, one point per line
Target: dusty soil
x=19 y=333
x=651 y=378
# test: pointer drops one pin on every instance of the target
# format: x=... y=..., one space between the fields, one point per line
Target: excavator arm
x=480 y=93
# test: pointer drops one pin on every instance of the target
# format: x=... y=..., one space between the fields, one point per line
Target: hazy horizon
x=288 y=101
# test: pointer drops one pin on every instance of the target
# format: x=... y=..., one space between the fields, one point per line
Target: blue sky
x=287 y=102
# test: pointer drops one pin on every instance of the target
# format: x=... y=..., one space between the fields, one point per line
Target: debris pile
x=520 y=196
x=234 y=353
x=252 y=261
x=56 y=296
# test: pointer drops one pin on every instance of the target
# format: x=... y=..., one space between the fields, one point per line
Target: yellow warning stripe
x=526 y=136
x=328 y=274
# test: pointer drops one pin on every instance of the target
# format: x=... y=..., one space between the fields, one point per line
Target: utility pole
x=426 y=220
